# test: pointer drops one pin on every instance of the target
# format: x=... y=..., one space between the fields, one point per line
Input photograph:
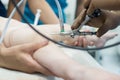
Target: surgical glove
x=106 y=21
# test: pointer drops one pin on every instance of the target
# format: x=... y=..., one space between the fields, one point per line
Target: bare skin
x=52 y=57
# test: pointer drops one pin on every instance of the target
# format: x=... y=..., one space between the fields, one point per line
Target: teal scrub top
x=30 y=16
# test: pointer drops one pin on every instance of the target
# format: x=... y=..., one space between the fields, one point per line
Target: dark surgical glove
x=106 y=21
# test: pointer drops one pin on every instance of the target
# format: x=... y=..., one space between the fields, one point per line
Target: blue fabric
x=30 y=16
x=3 y=11
x=54 y=7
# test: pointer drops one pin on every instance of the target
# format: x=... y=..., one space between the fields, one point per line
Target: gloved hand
x=103 y=4
x=92 y=5
x=106 y=21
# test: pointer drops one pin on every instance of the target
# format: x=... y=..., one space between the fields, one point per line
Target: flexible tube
x=60 y=16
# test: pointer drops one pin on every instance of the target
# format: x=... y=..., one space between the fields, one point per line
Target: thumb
x=31 y=47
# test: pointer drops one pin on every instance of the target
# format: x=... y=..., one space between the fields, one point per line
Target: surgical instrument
x=96 y=13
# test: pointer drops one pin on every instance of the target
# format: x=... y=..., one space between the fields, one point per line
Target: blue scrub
x=54 y=7
x=30 y=16
x=3 y=11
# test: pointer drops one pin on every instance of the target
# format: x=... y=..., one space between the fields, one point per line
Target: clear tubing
x=60 y=16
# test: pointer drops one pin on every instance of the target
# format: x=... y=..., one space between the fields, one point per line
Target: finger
x=102 y=30
x=79 y=20
x=91 y=8
x=76 y=38
x=80 y=41
x=76 y=43
x=91 y=43
x=30 y=47
x=107 y=25
x=85 y=43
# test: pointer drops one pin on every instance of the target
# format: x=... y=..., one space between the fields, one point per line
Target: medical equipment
x=64 y=45
x=37 y=16
x=96 y=13
x=77 y=31
x=61 y=20
x=60 y=16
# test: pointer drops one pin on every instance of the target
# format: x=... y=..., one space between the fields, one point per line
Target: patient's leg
x=50 y=56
